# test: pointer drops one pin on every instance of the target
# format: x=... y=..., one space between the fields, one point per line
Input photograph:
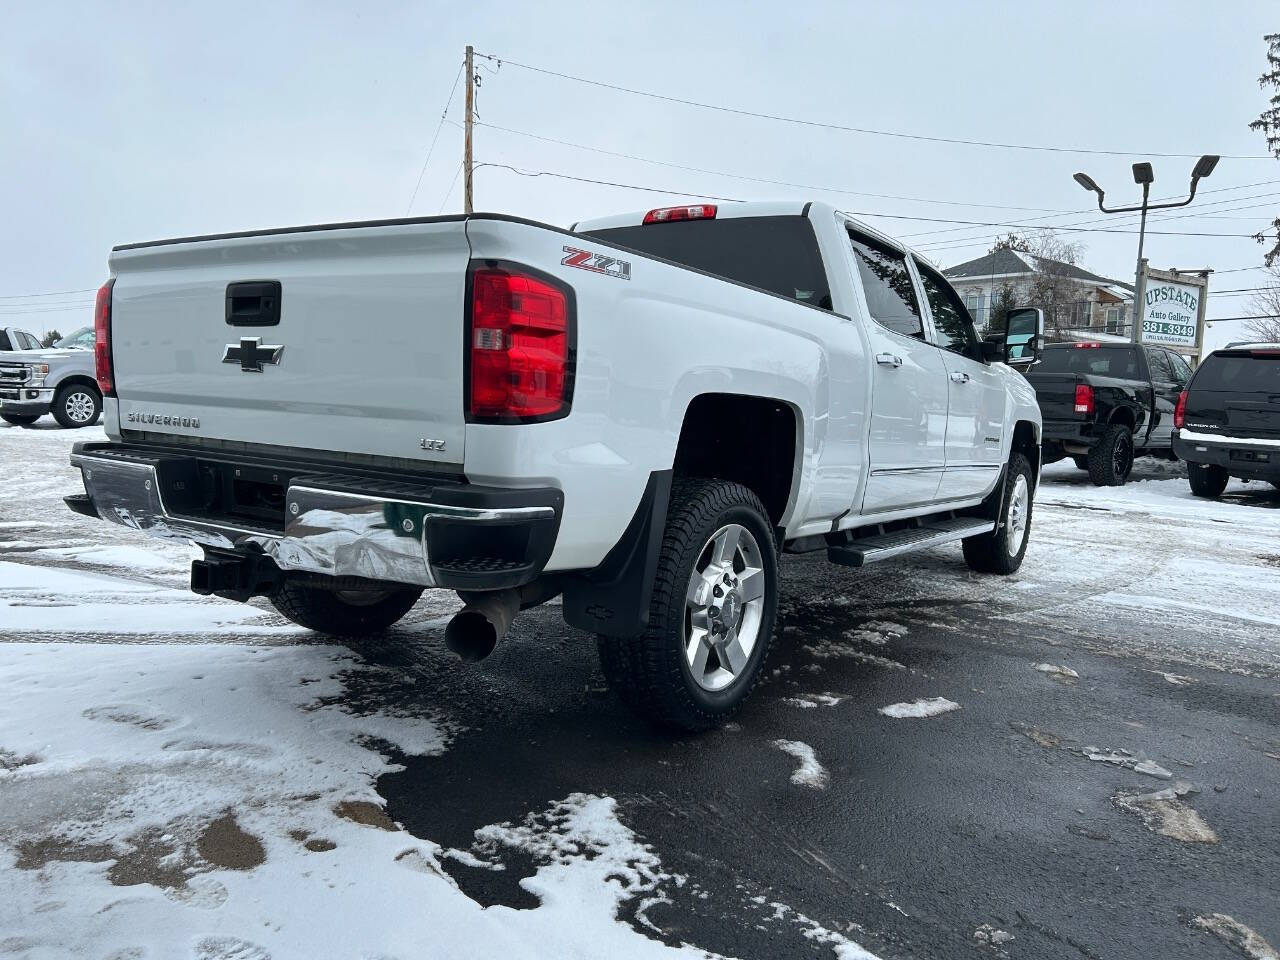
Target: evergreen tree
x=1269 y=124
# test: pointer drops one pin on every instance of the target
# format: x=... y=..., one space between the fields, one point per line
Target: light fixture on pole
x=1145 y=176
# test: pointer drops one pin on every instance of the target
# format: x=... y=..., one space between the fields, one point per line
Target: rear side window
x=777 y=254
x=890 y=296
x=1240 y=372
x=1096 y=361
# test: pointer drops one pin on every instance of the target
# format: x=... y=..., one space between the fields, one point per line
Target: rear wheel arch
x=748 y=439
x=1126 y=417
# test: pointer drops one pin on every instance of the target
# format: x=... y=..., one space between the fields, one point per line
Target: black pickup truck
x=1104 y=402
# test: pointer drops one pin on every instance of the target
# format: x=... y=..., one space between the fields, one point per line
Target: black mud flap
x=613 y=599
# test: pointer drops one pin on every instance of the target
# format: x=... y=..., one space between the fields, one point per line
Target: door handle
x=253 y=303
x=958 y=377
x=888 y=360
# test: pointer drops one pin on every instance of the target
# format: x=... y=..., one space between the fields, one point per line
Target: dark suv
x=1228 y=419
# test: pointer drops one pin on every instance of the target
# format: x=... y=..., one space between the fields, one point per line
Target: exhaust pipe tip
x=475 y=630
x=471 y=635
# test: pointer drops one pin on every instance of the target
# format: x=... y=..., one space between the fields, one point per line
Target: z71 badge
x=597 y=263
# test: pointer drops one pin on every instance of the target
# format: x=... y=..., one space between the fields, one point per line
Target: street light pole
x=1144 y=175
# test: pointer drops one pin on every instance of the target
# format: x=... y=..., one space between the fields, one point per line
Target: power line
x=452 y=183
x=750 y=179
x=609 y=183
x=436 y=136
x=850 y=129
x=1131 y=218
x=22 y=313
x=51 y=293
x=854 y=213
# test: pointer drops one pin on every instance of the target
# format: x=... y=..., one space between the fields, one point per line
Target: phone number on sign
x=1185 y=330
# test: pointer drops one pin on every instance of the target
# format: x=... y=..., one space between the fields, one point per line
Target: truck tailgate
x=1056 y=393
x=366 y=356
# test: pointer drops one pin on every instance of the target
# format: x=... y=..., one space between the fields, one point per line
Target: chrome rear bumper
x=334 y=531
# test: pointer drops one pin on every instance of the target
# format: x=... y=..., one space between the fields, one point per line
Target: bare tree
x=1053 y=288
x=1266 y=304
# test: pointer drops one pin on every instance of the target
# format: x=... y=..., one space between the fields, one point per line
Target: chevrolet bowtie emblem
x=252 y=354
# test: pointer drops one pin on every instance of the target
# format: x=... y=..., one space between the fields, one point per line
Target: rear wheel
x=1002 y=550
x=711 y=615
x=77 y=405
x=1111 y=460
x=19 y=419
x=343 y=613
x=1207 y=480
x=1081 y=461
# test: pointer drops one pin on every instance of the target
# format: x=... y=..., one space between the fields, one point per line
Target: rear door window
x=1240 y=372
x=1159 y=364
x=891 y=297
x=1105 y=361
x=776 y=254
x=1181 y=370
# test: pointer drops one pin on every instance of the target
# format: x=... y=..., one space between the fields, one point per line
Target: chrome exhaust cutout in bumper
x=475 y=630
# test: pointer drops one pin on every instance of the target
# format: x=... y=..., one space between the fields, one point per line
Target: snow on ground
x=206 y=790
x=925 y=707
x=810 y=773
x=217 y=801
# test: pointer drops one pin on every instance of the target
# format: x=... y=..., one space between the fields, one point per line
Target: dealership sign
x=1172 y=309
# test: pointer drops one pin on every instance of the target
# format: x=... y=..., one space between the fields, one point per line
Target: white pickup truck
x=639 y=414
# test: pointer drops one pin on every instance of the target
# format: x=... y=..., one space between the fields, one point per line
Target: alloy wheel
x=724 y=607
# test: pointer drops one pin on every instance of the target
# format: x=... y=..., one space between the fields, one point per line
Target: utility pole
x=1143 y=175
x=466 y=131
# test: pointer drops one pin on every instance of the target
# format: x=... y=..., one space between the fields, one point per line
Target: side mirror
x=1024 y=337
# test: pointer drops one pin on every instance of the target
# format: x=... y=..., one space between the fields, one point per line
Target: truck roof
x=751 y=208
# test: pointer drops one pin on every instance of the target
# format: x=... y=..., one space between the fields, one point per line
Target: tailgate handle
x=253 y=303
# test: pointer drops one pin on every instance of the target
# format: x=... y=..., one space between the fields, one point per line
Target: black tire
x=1111 y=459
x=326 y=611
x=650 y=672
x=77 y=405
x=990 y=552
x=1081 y=461
x=19 y=419
x=1207 y=480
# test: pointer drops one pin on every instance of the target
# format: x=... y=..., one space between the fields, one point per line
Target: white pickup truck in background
x=640 y=414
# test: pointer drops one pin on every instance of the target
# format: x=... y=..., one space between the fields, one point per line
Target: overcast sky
x=130 y=121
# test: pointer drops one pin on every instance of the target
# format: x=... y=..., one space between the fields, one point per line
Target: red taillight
x=1084 y=398
x=1087 y=346
x=519 y=347
x=104 y=368
x=700 y=211
x=1180 y=411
